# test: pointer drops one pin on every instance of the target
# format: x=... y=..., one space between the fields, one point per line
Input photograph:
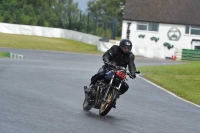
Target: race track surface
x=44 y=94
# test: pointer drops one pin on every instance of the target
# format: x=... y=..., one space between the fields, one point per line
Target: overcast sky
x=82 y=4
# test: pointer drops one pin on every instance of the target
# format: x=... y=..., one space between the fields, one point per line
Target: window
x=192 y=30
x=187 y=29
x=142 y=26
x=147 y=26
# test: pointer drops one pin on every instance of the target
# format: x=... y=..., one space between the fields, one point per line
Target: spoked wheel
x=108 y=104
x=86 y=105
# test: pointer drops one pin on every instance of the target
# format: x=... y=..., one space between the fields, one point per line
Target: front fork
x=108 y=89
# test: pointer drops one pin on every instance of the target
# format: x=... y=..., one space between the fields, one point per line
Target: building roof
x=185 y=12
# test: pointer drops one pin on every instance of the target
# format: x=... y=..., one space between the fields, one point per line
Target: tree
x=36 y=12
x=109 y=14
x=62 y=14
x=67 y=10
x=108 y=7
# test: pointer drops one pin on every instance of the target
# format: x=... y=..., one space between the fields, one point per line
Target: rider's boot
x=114 y=105
x=88 y=94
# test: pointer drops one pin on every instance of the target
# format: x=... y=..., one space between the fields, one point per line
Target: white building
x=158 y=27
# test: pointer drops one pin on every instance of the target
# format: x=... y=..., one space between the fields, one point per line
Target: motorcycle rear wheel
x=108 y=104
x=86 y=105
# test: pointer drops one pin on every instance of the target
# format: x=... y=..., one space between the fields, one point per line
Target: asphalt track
x=44 y=94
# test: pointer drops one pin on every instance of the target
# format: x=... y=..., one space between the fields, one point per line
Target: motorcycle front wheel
x=108 y=104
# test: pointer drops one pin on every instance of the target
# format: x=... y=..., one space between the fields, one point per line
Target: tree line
x=103 y=17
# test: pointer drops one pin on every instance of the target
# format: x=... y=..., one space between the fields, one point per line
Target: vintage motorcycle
x=106 y=91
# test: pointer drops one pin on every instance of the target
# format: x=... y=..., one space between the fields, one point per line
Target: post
x=79 y=26
x=63 y=22
x=41 y=16
x=105 y=26
x=95 y=26
x=88 y=22
x=69 y=27
x=114 y=28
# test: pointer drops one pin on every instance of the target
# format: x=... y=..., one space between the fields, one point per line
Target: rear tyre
x=108 y=104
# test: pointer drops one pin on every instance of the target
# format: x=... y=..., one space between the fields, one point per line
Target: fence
x=188 y=54
x=96 y=24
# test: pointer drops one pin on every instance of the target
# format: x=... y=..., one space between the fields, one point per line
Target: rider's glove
x=132 y=75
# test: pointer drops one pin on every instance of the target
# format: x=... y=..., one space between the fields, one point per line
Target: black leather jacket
x=115 y=54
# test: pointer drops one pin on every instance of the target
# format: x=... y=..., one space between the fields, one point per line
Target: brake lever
x=129 y=74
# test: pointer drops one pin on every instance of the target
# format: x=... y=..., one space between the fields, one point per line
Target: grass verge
x=183 y=79
x=45 y=43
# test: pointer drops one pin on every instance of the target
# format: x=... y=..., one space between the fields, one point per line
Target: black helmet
x=125 y=45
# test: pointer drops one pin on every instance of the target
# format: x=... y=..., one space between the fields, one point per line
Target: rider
x=120 y=56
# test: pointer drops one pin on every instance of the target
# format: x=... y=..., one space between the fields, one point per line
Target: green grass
x=45 y=43
x=3 y=55
x=183 y=79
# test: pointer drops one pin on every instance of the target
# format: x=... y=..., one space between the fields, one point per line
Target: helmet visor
x=126 y=49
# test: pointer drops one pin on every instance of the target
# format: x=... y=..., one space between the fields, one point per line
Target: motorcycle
x=107 y=90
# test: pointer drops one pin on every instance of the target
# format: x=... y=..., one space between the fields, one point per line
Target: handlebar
x=116 y=67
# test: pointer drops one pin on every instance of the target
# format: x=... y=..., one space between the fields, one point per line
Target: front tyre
x=108 y=104
x=86 y=105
